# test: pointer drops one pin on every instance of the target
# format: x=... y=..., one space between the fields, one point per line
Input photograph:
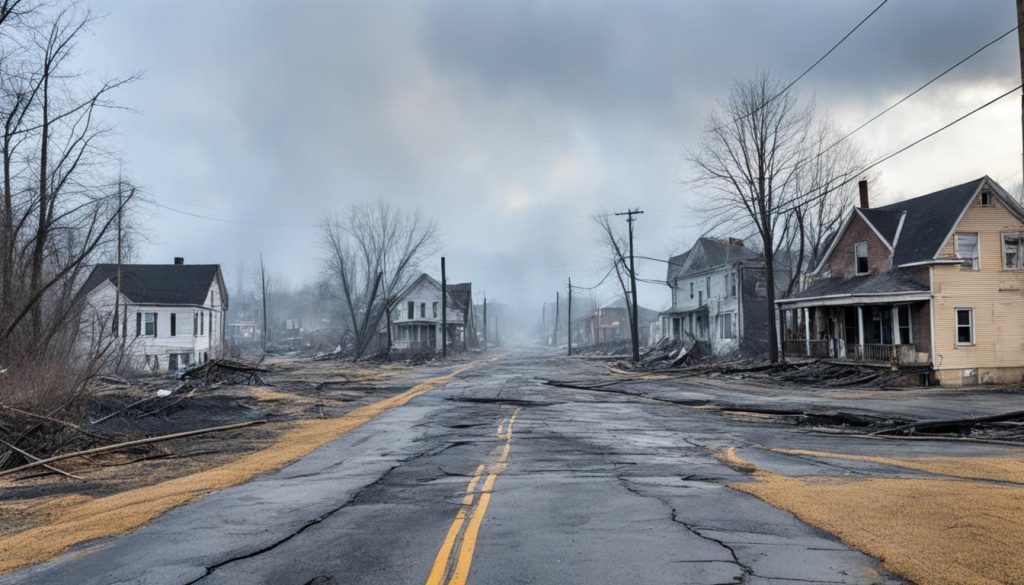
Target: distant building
x=934 y=280
x=171 y=315
x=719 y=297
x=416 y=316
x=611 y=323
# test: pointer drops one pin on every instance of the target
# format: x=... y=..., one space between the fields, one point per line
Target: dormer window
x=860 y=254
x=967 y=250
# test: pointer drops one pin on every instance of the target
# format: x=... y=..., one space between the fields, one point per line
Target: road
x=495 y=478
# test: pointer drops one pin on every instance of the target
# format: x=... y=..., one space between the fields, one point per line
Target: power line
x=806 y=71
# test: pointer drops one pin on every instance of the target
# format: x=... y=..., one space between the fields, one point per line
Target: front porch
x=895 y=333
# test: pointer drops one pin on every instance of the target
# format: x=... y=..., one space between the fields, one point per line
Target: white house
x=718 y=297
x=171 y=315
x=416 y=316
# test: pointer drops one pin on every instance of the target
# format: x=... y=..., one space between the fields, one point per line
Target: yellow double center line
x=451 y=565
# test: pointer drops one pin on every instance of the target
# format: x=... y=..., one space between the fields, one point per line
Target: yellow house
x=936 y=281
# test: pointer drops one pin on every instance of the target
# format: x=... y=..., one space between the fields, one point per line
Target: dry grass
x=1009 y=469
x=90 y=519
x=931 y=531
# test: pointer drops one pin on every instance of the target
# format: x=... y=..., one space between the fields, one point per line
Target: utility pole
x=485 y=323
x=633 y=329
x=568 y=321
x=1020 y=42
x=263 y=288
x=444 y=310
x=554 y=337
x=117 y=299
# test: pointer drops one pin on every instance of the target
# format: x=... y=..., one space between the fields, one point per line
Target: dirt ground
x=306 y=403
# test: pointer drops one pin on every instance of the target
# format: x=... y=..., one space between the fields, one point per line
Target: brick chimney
x=862 y=185
x=178 y=260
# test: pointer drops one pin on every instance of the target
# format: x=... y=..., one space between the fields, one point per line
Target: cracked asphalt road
x=593 y=488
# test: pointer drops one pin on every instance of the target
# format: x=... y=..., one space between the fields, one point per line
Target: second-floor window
x=967 y=250
x=691 y=290
x=1012 y=251
x=411 y=313
x=435 y=309
x=149 y=322
x=423 y=310
x=860 y=254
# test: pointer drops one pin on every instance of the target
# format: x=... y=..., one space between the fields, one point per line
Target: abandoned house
x=936 y=280
x=170 y=315
x=416 y=316
x=719 y=297
x=611 y=323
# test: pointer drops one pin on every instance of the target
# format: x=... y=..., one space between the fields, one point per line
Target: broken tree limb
x=931 y=424
x=116 y=446
x=122 y=410
x=63 y=423
x=32 y=457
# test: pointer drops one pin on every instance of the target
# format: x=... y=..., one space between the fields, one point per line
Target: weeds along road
x=497 y=478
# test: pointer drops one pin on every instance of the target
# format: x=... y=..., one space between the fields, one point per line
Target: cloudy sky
x=513 y=122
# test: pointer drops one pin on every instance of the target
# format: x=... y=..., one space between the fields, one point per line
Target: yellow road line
x=467 y=543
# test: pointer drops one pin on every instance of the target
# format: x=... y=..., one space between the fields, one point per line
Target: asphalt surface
x=498 y=478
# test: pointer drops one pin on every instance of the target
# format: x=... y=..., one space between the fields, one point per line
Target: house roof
x=159 y=284
x=929 y=220
x=461 y=294
x=895 y=281
x=708 y=253
x=620 y=303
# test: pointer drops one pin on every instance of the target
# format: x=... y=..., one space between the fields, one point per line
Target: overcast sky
x=512 y=122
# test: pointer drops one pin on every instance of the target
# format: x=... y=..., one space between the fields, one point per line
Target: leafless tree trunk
x=616 y=246
x=371 y=253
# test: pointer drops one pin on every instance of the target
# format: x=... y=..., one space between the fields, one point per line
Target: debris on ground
x=226 y=372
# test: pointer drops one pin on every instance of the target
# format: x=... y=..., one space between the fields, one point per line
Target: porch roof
x=671 y=313
x=890 y=286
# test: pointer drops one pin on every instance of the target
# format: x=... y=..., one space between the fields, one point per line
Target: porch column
x=860 y=330
x=807 y=331
x=895 y=326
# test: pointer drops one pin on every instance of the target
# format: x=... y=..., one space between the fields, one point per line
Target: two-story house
x=611 y=323
x=718 y=297
x=935 y=280
x=416 y=322
x=169 y=315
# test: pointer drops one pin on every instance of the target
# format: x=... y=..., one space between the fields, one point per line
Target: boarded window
x=965 y=326
x=860 y=252
x=1012 y=251
x=967 y=250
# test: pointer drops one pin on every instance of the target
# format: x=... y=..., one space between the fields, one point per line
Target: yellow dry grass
x=126 y=511
x=931 y=531
x=270 y=395
x=1009 y=469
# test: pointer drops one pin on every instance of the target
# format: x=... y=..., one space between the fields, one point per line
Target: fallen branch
x=116 y=446
x=122 y=410
x=63 y=423
x=32 y=457
x=931 y=424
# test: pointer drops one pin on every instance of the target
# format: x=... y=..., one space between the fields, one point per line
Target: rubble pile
x=226 y=372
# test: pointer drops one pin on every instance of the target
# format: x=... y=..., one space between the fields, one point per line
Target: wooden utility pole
x=120 y=244
x=1020 y=43
x=387 y=313
x=485 y=323
x=554 y=336
x=568 y=320
x=633 y=328
x=444 y=310
x=263 y=288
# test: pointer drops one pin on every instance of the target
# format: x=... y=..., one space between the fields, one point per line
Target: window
x=967 y=250
x=174 y=324
x=707 y=286
x=435 y=309
x=727 y=330
x=195 y=323
x=986 y=198
x=150 y=324
x=1012 y=251
x=906 y=331
x=423 y=310
x=965 y=326
x=138 y=324
x=202 y=323
x=411 y=312
x=700 y=297
x=691 y=290
x=732 y=284
x=860 y=253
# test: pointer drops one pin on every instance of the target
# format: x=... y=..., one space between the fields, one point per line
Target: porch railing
x=868 y=352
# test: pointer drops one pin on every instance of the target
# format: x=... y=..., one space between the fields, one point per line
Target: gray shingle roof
x=891 y=281
x=929 y=220
x=158 y=284
x=708 y=253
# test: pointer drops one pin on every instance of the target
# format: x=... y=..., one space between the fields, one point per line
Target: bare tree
x=616 y=249
x=749 y=162
x=372 y=252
